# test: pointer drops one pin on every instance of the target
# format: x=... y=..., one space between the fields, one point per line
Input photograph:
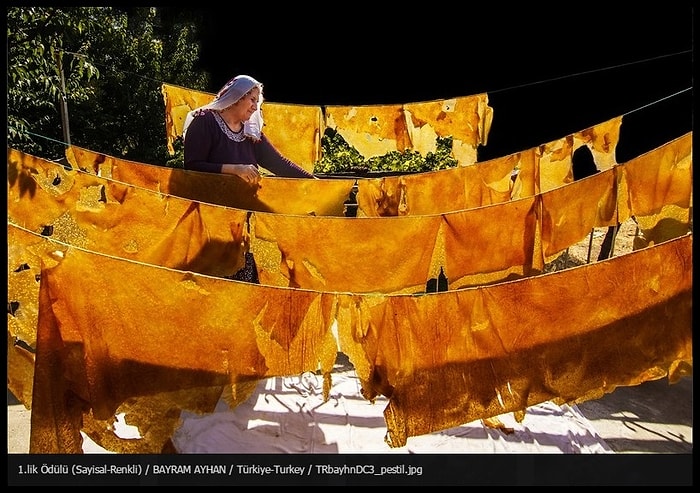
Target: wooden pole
x=64 y=101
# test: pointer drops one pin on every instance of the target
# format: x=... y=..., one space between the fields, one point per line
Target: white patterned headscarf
x=232 y=91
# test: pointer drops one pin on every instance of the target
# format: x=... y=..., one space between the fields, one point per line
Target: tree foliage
x=37 y=38
x=340 y=157
x=113 y=63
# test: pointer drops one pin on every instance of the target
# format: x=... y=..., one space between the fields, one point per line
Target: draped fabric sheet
x=589 y=203
x=442 y=359
x=467 y=119
x=274 y=194
x=44 y=197
x=383 y=254
x=375 y=130
x=519 y=175
x=663 y=208
x=119 y=219
x=126 y=221
x=296 y=130
x=437 y=192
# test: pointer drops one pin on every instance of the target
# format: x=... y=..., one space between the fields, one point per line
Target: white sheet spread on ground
x=288 y=415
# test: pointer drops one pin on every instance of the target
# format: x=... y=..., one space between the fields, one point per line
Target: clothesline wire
x=509 y=88
x=62 y=142
x=587 y=72
x=627 y=113
x=499 y=90
x=658 y=100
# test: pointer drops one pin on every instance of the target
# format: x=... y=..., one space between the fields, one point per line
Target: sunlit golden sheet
x=123 y=220
x=467 y=119
x=296 y=129
x=142 y=333
x=281 y=195
x=518 y=175
x=375 y=130
x=382 y=254
x=44 y=197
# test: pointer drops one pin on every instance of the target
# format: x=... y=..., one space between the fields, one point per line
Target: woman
x=225 y=136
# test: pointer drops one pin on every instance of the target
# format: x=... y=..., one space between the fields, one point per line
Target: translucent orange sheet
x=96 y=213
x=375 y=130
x=379 y=254
x=442 y=359
x=280 y=195
x=123 y=220
x=296 y=129
x=519 y=175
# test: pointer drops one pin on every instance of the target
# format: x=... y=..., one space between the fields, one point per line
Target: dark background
x=548 y=72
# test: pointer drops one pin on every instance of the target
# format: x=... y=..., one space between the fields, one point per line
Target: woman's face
x=247 y=105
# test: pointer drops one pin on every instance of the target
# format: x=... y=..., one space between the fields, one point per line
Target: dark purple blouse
x=208 y=147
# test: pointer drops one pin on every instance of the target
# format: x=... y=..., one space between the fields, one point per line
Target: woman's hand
x=247 y=172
